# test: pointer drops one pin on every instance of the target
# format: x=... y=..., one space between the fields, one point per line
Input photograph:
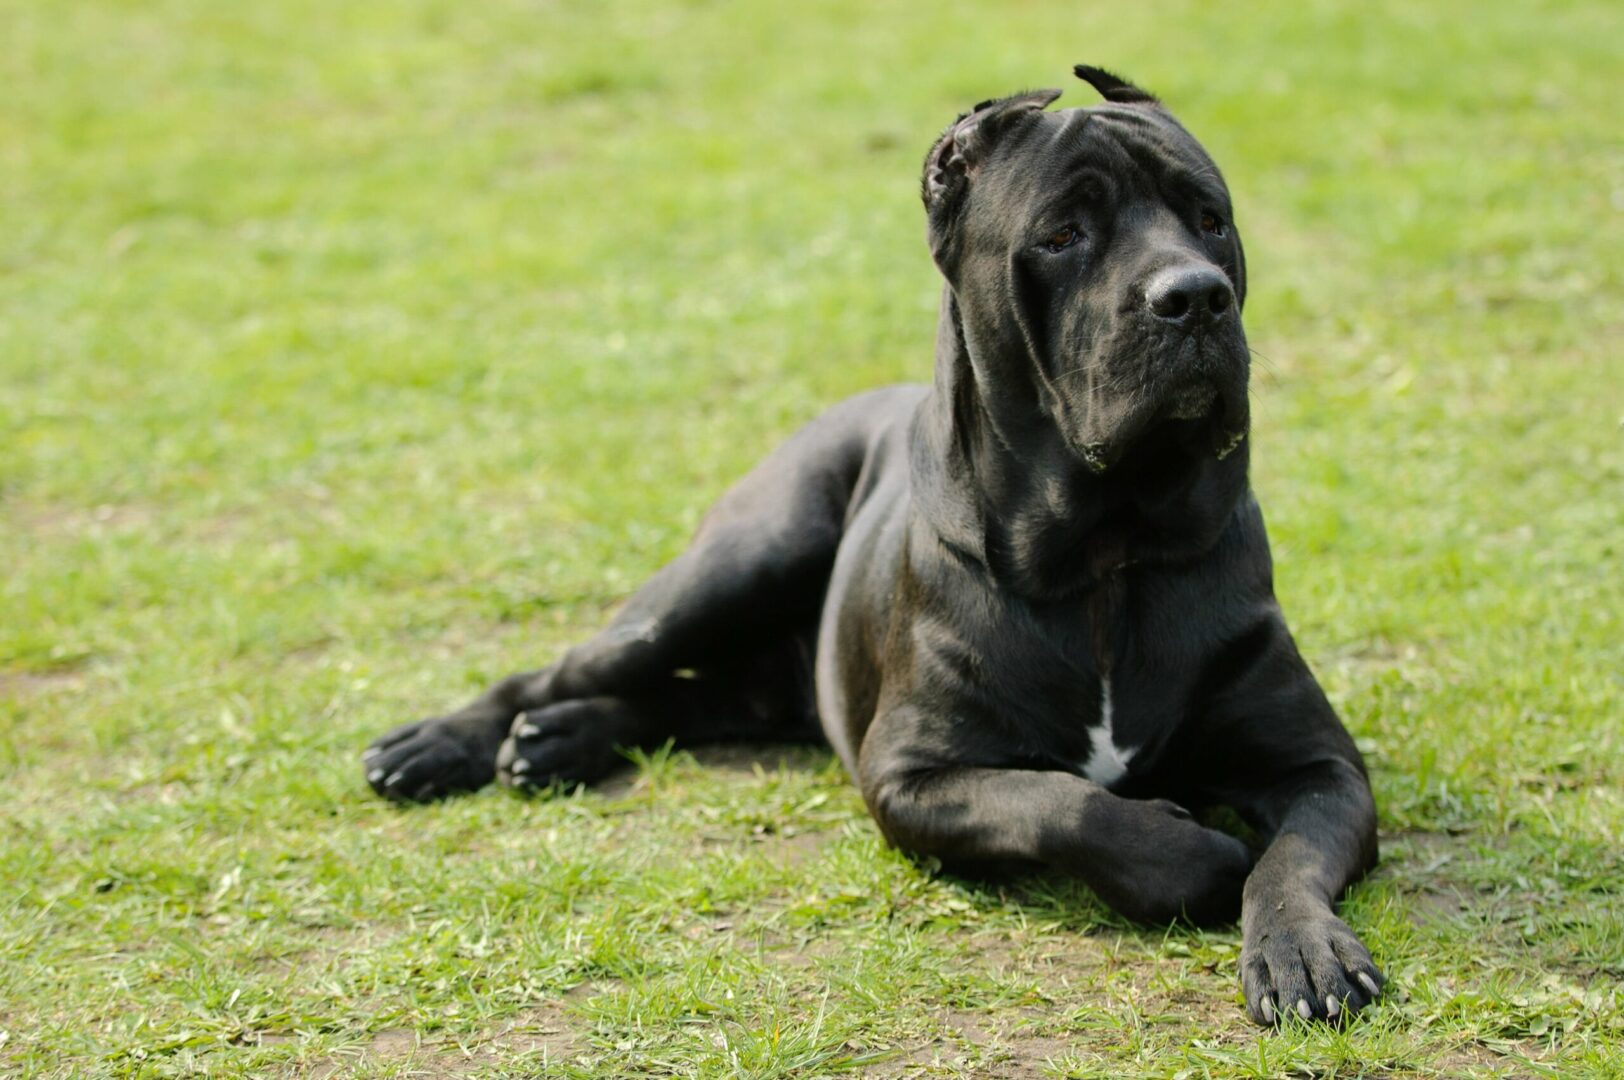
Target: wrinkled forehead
x=1135 y=150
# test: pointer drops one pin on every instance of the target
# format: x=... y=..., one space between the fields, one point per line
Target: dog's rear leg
x=769 y=696
x=755 y=572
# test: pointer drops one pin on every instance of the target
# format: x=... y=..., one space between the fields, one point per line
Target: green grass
x=356 y=354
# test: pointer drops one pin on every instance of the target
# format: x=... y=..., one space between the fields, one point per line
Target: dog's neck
x=997 y=481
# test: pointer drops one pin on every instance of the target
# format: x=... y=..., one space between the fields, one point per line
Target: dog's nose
x=1190 y=296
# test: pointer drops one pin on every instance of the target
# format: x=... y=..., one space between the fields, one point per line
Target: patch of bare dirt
x=51 y=522
x=1426 y=867
x=1477 y=1060
x=1001 y=1044
x=323 y=947
x=1363 y=659
x=22 y=685
x=745 y=757
x=55 y=520
x=539 y=1036
x=1439 y=903
x=789 y=847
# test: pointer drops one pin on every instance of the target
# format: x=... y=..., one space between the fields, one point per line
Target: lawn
x=353 y=355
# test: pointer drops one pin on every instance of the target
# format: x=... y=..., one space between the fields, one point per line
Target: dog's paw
x=1173 y=868
x=572 y=742
x=1305 y=961
x=428 y=759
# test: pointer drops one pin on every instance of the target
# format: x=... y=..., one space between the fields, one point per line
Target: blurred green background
x=352 y=355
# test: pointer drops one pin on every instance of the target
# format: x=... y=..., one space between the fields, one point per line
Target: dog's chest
x=1106 y=704
x=1106 y=762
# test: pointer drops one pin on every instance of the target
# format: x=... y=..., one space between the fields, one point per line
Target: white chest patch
x=1106 y=763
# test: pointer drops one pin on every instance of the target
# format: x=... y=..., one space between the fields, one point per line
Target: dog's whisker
x=1268 y=366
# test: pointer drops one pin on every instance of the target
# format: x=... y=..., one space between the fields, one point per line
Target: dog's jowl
x=1030 y=605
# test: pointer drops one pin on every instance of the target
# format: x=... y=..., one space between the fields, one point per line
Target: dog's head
x=1096 y=267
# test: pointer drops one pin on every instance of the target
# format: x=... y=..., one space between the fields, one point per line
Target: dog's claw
x=1267 y=1008
x=527 y=731
x=1304 y=1010
x=1369 y=984
x=426 y=759
x=1333 y=1008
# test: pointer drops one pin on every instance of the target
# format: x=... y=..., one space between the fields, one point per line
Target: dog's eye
x=1063 y=239
x=1212 y=223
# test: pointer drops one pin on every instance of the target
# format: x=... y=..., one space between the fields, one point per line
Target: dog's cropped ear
x=968 y=141
x=1114 y=87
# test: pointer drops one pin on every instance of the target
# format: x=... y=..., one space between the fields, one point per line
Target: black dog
x=1030 y=605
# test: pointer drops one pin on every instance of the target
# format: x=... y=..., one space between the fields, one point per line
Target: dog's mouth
x=1203 y=409
x=1168 y=448
x=1193 y=402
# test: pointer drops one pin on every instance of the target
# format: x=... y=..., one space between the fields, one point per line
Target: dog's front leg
x=1296 y=954
x=1148 y=859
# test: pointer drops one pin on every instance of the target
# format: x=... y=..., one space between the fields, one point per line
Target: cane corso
x=1029 y=605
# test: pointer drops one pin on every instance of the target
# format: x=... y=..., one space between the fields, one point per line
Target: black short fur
x=1031 y=604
